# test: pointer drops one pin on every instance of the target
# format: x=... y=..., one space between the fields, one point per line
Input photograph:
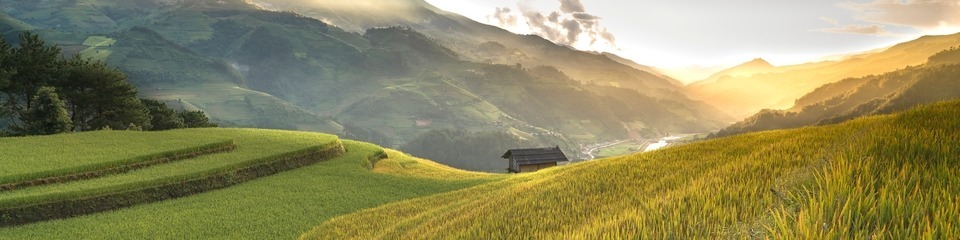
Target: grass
x=281 y=206
x=401 y=164
x=97 y=48
x=99 y=41
x=48 y=156
x=903 y=184
x=895 y=177
x=253 y=147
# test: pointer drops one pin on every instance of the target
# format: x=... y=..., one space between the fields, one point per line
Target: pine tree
x=196 y=119
x=47 y=115
x=5 y=73
x=35 y=65
x=99 y=96
x=162 y=117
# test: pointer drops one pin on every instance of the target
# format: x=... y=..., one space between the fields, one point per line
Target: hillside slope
x=8 y=23
x=899 y=90
x=280 y=206
x=893 y=176
x=483 y=43
x=780 y=87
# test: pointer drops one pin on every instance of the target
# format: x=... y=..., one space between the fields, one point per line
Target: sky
x=698 y=37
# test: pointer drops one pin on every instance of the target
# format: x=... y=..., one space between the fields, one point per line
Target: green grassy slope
x=893 y=176
x=281 y=206
x=46 y=156
x=253 y=147
x=8 y=23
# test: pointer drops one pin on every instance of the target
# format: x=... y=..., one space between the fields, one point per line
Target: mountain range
x=936 y=80
x=742 y=95
x=387 y=78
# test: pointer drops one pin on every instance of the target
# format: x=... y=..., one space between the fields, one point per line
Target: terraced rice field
x=48 y=156
x=258 y=153
x=281 y=206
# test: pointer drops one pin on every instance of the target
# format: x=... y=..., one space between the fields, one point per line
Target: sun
x=943 y=28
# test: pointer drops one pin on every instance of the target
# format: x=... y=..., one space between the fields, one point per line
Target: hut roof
x=535 y=155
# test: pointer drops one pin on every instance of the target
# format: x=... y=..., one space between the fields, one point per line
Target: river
x=664 y=142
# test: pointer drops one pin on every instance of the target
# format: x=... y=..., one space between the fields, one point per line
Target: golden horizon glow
x=693 y=40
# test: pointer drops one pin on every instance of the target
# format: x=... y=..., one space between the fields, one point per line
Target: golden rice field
x=886 y=177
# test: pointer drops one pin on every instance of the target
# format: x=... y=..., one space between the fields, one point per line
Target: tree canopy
x=91 y=94
x=47 y=115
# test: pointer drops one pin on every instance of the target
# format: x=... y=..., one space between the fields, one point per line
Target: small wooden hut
x=533 y=159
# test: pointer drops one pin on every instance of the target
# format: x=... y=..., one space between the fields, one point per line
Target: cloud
x=540 y=24
x=573 y=29
x=503 y=17
x=572 y=6
x=585 y=16
x=873 y=29
x=831 y=21
x=554 y=17
x=570 y=25
x=920 y=14
x=608 y=37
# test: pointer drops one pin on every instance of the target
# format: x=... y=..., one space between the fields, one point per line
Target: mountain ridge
x=743 y=96
x=870 y=95
x=746 y=69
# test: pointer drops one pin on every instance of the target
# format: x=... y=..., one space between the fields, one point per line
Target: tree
x=47 y=115
x=34 y=65
x=162 y=117
x=95 y=96
x=99 y=96
x=196 y=119
x=5 y=73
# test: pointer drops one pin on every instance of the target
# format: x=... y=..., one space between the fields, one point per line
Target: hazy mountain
x=645 y=68
x=473 y=42
x=747 y=69
x=780 y=87
x=249 y=67
x=938 y=80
